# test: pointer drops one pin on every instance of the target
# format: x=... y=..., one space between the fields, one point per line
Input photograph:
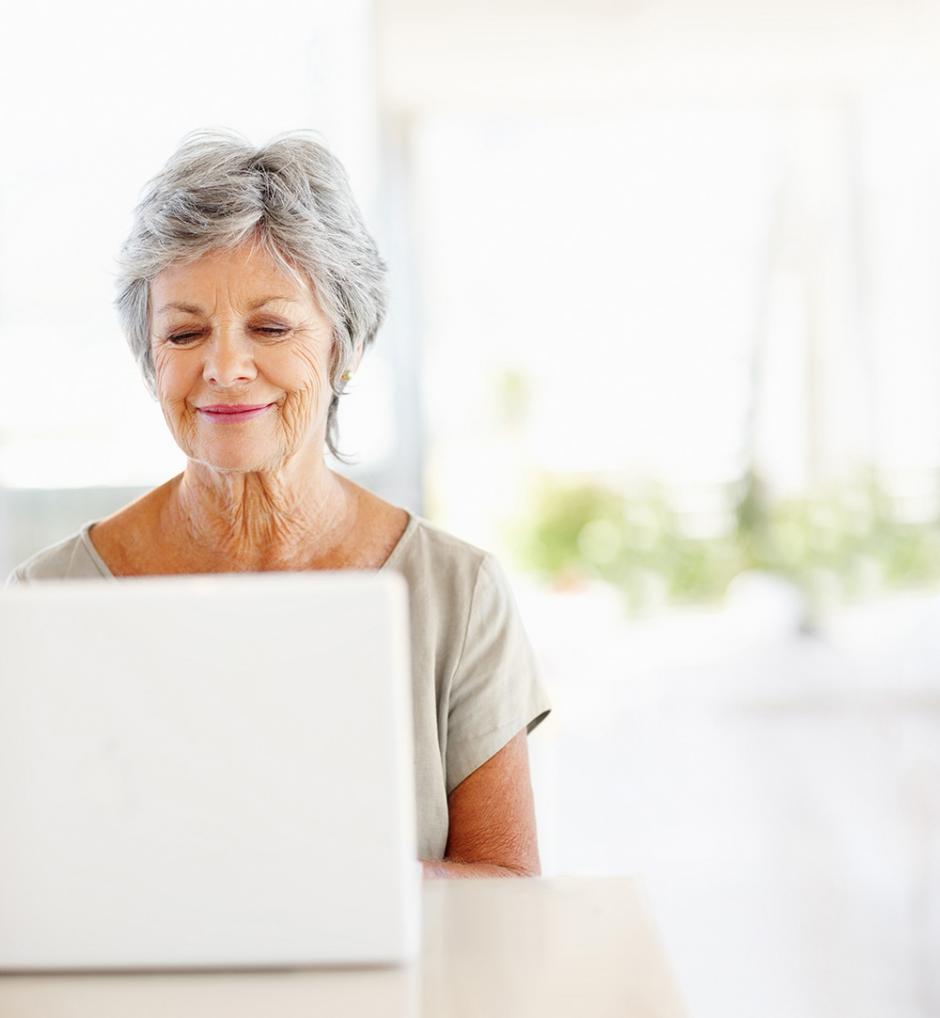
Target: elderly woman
x=249 y=290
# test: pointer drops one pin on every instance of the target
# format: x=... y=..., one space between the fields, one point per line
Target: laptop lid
x=207 y=772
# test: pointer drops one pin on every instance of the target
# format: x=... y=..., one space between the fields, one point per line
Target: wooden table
x=577 y=947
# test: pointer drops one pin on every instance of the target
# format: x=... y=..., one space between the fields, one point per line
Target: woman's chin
x=235 y=459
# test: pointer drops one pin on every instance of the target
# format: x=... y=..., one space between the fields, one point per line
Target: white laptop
x=201 y=772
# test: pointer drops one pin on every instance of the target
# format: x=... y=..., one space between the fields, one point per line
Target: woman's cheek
x=298 y=413
x=180 y=417
x=308 y=388
x=159 y=358
x=180 y=421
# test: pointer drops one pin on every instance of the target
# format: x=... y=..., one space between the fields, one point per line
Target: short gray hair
x=293 y=196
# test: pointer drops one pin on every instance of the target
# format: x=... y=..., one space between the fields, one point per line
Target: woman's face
x=241 y=354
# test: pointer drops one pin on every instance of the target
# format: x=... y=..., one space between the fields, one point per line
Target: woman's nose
x=229 y=358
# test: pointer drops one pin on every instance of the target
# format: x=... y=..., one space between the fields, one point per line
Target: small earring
x=346 y=376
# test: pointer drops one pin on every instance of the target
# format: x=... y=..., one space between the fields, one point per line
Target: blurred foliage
x=512 y=398
x=842 y=543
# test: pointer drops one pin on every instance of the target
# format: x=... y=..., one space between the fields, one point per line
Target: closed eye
x=185 y=337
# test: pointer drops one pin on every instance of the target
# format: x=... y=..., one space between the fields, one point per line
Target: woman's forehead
x=246 y=275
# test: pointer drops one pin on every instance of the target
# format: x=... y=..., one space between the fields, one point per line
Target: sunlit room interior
x=663 y=336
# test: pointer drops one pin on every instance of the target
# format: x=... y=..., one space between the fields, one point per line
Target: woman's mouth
x=230 y=413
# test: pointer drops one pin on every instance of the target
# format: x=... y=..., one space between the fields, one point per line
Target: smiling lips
x=229 y=413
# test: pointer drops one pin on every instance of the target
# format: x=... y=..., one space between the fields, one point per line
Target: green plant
x=576 y=532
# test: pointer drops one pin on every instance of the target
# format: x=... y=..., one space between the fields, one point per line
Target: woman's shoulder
x=425 y=546
x=71 y=558
x=447 y=573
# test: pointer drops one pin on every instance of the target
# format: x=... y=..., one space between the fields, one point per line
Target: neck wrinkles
x=264 y=520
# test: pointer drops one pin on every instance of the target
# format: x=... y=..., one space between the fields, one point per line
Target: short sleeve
x=13 y=579
x=496 y=690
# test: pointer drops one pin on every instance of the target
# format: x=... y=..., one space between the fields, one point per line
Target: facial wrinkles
x=296 y=365
x=180 y=422
x=301 y=405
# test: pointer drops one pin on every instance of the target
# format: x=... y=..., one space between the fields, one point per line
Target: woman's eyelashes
x=179 y=338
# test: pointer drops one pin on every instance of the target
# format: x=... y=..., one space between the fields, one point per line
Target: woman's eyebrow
x=194 y=309
x=174 y=305
x=267 y=300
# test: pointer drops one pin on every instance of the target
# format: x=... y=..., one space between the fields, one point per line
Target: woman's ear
x=353 y=366
x=356 y=359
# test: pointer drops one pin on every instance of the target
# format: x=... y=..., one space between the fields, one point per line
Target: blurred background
x=664 y=336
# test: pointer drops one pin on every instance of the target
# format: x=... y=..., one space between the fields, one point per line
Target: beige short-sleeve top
x=475 y=682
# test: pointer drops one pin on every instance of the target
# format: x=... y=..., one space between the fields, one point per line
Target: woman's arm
x=492 y=820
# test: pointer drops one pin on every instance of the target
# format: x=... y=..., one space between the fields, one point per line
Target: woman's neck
x=286 y=519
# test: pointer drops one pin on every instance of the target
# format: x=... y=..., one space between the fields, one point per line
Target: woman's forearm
x=449 y=868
